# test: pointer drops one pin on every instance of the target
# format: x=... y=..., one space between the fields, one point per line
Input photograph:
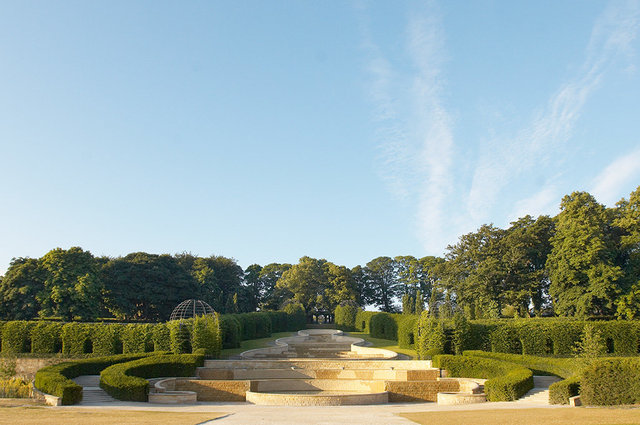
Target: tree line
x=583 y=262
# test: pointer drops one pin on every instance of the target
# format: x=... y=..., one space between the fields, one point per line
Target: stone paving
x=246 y=413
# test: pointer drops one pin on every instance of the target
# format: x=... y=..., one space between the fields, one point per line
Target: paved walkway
x=246 y=413
x=91 y=391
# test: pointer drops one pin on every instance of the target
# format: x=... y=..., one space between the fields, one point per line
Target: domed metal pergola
x=188 y=309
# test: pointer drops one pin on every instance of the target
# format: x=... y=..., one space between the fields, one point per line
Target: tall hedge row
x=383 y=325
x=541 y=337
x=345 y=317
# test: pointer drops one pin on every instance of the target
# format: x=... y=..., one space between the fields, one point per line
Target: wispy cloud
x=537 y=145
x=613 y=182
x=414 y=129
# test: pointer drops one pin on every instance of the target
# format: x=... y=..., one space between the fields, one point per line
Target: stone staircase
x=91 y=391
x=539 y=394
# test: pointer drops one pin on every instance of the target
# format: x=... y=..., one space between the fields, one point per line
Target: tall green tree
x=306 y=282
x=19 y=289
x=341 y=286
x=525 y=249
x=142 y=286
x=71 y=284
x=627 y=220
x=272 y=297
x=382 y=283
x=584 y=278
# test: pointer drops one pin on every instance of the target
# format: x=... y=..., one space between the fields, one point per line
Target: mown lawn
x=563 y=416
x=253 y=343
x=387 y=344
x=37 y=415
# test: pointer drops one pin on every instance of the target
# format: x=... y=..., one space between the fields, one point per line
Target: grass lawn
x=253 y=343
x=387 y=344
x=569 y=416
x=27 y=412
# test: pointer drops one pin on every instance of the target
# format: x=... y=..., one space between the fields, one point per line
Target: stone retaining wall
x=209 y=390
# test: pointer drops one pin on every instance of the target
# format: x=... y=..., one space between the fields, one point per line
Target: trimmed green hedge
x=345 y=317
x=15 y=337
x=548 y=336
x=139 y=338
x=206 y=335
x=56 y=379
x=363 y=321
x=128 y=381
x=383 y=325
x=106 y=339
x=76 y=339
x=611 y=382
x=231 y=331
x=296 y=316
x=45 y=338
x=406 y=329
x=568 y=368
x=430 y=336
x=505 y=381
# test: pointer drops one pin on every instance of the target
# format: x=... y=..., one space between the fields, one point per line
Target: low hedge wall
x=567 y=368
x=128 y=381
x=505 y=381
x=56 y=379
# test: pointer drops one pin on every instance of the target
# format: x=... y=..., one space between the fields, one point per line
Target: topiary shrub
x=45 y=338
x=128 y=381
x=76 y=339
x=505 y=381
x=383 y=326
x=161 y=337
x=15 y=337
x=205 y=335
x=106 y=339
x=230 y=330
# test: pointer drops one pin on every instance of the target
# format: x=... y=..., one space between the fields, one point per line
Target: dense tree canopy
x=583 y=262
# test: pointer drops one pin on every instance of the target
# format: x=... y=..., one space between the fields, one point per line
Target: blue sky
x=346 y=130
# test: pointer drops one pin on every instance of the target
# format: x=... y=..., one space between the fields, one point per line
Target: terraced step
x=335 y=373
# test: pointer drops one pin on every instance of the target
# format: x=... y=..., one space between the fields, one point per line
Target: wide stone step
x=280 y=385
x=315 y=364
x=336 y=373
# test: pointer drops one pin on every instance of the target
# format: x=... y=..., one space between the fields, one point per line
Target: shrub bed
x=56 y=379
x=505 y=381
x=128 y=381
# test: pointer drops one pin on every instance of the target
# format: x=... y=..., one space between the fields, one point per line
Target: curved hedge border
x=568 y=368
x=128 y=381
x=505 y=381
x=56 y=379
